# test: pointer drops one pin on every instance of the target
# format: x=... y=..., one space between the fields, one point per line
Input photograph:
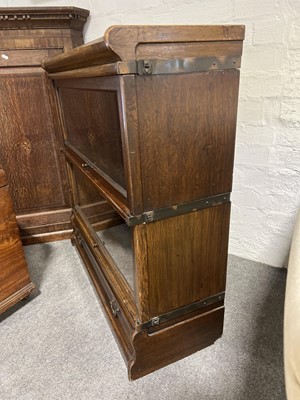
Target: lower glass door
x=110 y=228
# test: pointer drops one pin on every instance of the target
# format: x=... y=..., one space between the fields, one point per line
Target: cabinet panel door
x=29 y=142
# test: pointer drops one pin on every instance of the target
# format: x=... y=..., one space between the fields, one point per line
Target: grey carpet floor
x=57 y=345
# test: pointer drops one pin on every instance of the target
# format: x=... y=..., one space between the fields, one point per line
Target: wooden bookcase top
x=136 y=42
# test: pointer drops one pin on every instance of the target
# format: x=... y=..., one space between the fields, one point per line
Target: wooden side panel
x=188 y=49
x=29 y=148
x=186 y=258
x=124 y=39
x=3 y=180
x=187 y=133
x=14 y=276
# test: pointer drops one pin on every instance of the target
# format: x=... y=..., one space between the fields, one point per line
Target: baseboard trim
x=46 y=237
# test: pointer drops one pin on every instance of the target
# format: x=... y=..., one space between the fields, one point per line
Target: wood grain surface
x=186 y=259
x=188 y=49
x=28 y=142
x=187 y=128
x=154 y=351
x=151 y=141
x=30 y=132
x=146 y=352
x=121 y=43
x=15 y=282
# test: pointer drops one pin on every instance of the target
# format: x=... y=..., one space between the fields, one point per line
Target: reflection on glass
x=118 y=242
x=93 y=128
x=115 y=235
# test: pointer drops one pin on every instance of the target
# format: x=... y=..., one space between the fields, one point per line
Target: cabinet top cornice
x=122 y=43
x=42 y=17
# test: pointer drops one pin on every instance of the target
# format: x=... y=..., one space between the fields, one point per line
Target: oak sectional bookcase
x=149 y=114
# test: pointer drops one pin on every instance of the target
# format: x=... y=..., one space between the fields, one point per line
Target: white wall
x=267 y=164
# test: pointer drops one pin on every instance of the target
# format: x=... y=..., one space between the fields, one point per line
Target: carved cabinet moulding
x=42 y=17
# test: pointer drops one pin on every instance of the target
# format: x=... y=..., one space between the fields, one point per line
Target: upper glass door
x=92 y=123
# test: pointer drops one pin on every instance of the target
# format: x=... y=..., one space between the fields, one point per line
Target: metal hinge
x=80 y=240
x=114 y=307
x=179 y=312
x=154 y=321
x=179 y=209
x=183 y=65
x=144 y=67
x=149 y=216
